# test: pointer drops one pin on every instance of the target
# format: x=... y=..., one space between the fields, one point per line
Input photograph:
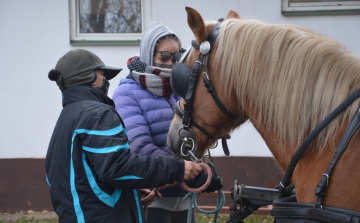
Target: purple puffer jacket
x=147 y=119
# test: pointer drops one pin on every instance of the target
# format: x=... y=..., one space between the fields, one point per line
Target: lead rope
x=145 y=199
x=219 y=204
x=192 y=193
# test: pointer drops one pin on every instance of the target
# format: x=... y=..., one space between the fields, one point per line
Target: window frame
x=320 y=8
x=106 y=39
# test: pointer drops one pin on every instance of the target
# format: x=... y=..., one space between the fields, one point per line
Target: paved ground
x=27 y=215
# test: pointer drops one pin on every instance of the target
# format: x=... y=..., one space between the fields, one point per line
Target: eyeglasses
x=166 y=55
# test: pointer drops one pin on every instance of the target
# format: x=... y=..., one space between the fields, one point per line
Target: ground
x=51 y=217
x=29 y=216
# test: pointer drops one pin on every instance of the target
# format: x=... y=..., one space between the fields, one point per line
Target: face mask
x=105 y=86
x=168 y=66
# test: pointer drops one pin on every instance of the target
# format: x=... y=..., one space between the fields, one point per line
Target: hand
x=146 y=192
x=157 y=194
x=214 y=185
x=191 y=170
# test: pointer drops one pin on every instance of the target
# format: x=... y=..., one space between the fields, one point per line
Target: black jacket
x=91 y=172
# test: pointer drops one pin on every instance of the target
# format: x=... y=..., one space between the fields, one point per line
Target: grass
x=222 y=218
x=32 y=220
x=200 y=218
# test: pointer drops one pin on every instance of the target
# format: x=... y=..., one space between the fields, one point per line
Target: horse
x=283 y=78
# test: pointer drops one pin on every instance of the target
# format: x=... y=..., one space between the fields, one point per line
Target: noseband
x=183 y=82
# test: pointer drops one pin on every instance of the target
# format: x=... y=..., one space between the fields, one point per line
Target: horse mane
x=290 y=77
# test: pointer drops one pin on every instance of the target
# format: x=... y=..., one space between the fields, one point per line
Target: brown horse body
x=343 y=188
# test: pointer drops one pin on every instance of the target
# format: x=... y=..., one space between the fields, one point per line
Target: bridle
x=183 y=82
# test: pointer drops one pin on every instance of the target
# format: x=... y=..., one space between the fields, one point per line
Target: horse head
x=207 y=121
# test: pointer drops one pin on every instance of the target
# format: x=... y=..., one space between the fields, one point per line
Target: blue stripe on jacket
x=138 y=205
x=107 y=199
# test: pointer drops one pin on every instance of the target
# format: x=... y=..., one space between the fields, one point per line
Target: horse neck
x=282 y=150
x=342 y=191
x=343 y=182
x=276 y=147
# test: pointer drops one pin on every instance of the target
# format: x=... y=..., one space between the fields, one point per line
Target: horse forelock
x=290 y=77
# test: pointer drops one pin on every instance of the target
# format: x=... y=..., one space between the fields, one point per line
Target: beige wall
x=36 y=33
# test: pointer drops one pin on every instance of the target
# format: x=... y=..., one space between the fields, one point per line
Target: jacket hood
x=153 y=32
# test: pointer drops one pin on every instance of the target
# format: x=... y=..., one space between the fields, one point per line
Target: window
x=108 y=22
x=319 y=7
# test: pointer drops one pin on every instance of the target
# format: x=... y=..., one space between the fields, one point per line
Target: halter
x=183 y=82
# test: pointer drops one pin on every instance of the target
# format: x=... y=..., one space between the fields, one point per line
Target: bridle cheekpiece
x=183 y=82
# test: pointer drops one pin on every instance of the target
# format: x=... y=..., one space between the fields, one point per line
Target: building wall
x=35 y=34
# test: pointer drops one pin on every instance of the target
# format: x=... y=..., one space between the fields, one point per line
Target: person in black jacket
x=93 y=177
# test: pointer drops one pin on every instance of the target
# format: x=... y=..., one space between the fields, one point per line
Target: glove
x=214 y=185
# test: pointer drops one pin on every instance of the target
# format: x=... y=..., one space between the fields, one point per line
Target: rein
x=286 y=182
x=285 y=206
x=319 y=212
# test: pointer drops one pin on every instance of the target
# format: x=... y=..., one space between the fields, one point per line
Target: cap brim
x=110 y=72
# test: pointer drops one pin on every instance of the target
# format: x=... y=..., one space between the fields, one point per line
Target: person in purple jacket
x=145 y=101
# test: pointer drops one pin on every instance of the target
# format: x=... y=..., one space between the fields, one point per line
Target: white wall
x=35 y=34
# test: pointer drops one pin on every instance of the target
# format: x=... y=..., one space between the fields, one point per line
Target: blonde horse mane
x=288 y=76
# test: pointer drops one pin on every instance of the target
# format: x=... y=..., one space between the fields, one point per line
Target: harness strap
x=221 y=106
x=331 y=217
x=350 y=130
x=191 y=91
x=312 y=135
x=193 y=79
x=181 y=114
x=224 y=145
x=211 y=90
x=195 y=44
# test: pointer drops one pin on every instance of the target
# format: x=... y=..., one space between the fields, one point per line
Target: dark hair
x=53 y=74
x=168 y=37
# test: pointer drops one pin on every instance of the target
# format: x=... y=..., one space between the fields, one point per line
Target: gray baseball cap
x=77 y=67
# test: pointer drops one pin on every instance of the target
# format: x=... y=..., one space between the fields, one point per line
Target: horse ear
x=233 y=15
x=196 y=24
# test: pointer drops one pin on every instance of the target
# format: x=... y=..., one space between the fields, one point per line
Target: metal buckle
x=205 y=74
x=236 y=189
x=235 y=210
x=285 y=190
x=283 y=186
x=196 y=68
x=186 y=125
x=319 y=206
x=327 y=178
x=198 y=62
